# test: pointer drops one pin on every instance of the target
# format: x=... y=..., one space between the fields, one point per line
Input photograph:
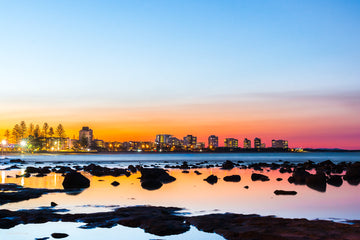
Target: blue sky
x=145 y=53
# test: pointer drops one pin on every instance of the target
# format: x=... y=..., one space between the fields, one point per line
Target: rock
x=7 y=223
x=279 y=179
x=185 y=171
x=212 y=179
x=151 y=184
x=335 y=180
x=299 y=176
x=53 y=204
x=227 y=165
x=75 y=180
x=352 y=175
x=43 y=238
x=259 y=177
x=59 y=235
x=246 y=187
x=115 y=183
x=184 y=166
x=232 y=178
x=17 y=161
x=197 y=172
x=132 y=169
x=156 y=174
x=316 y=182
x=283 y=192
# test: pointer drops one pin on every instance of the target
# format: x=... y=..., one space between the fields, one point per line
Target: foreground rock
x=283 y=192
x=259 y=177
x=154 y=178
x=317 y=182
x=232 y=178
x=15 y=193
x=75 y=180
x=246 y=227
x=164 y=221
x=353 y=174
x=59 y=235
x=212 y=179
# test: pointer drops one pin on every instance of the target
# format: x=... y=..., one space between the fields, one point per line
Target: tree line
x=23 y=131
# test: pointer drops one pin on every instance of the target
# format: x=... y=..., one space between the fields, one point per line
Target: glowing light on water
x=3 y=177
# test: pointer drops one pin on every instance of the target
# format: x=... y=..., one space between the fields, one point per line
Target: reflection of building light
x=55 y=180
x=3 y=177
x=23 y=143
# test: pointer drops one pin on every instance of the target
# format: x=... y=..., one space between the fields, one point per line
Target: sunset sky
x=133 y=69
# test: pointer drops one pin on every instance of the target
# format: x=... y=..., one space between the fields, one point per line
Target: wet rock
x=279 y=179
x=316 y=182
x=335 y=180
x=227 y=165
x=185 y=171
x=299 y=176
x=75 y=180
x=99 y=171
x=259 y=177
x=115 y=183
x=53 y=204
x=232 y=178
x=197 y=172
x=212 y=179
x=7 y=223
x=43 y=238
x=352 y=175
x=59 y=235
x=283 y=192
x=132 y=169
x=246 y=187
x=154 y=178
x=17 y=161
x=184 y=166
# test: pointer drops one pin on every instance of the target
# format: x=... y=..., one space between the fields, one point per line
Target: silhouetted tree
x=37 y=131
x=60 y=132
x=51 y=132
x=22 y=129
x=16 y=133
x=45 y=129
x=7 y=134
x=31 y=129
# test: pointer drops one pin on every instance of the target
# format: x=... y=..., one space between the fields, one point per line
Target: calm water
x=124 y=159
x=189 y=191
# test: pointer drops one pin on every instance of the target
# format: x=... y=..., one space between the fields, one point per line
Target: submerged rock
x=115 y=183
x=75 y=180
x=197 y=172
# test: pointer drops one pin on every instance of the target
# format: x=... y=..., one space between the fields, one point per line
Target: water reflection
x=198 y=197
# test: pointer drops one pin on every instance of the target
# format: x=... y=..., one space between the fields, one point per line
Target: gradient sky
x=133 y=69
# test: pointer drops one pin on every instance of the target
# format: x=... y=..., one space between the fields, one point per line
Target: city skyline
x=279 y=69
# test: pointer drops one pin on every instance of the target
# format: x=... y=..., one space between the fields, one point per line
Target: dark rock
x=59 y=235
x=115 y=183
x=151 y=184
x=227 y=165
x=283 y=192
x=184 y=166
x=7 y=223
x=335 y=180
x=185 y=171
x=232 y=178
x=279 y=179
x=212 y=179
x=246 y=187
x=259 y=177
x=299 y=176
x=17 y=161
x=352 y=175
x=43 y=238
x=53 y=204
x=75 y=180
x=197 y=172
x=132 y=169
x=316 y=182
x=156 y=174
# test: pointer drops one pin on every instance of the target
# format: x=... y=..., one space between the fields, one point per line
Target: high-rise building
x=231 y=142
x=247 y=143
x=213 y=141
x=173 y=141
x=162 y=139
x=190 y=141
x=257 y=143
x=86 y=133
x=279 y=143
